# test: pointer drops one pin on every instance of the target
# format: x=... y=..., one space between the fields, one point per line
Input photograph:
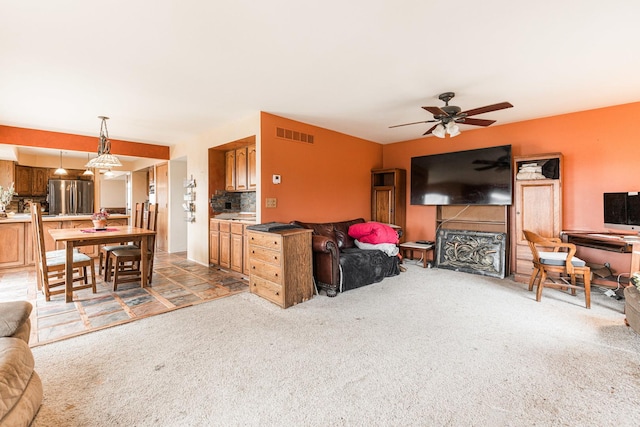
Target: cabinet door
x=225 y=249
x=39 y=181
x=23 y=180
x=230 y=170
x=214 y=247
x=252 y=167
x=7 y=173
x=12 y=250
x=236 y=252
x=246 y=268
x=383 y=204
x=241 y=168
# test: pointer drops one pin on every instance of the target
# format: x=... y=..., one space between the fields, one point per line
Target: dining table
x=75 y=237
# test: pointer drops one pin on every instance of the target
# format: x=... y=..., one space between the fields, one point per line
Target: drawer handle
x=276 y=274
x=277 y=293
x=253 y=268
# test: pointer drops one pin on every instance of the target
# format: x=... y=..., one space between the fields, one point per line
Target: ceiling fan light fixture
x=105 y=159
x=439 y=131
x=453 y=129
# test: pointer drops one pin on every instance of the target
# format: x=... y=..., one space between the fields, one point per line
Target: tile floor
x=177 y=283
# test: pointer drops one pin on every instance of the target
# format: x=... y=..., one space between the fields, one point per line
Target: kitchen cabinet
x=7 y=173
x=31 y=181
x=225 y=244
x=228 y=246
x=214 y=242
x=252 y=166
x=230 y=170
x=237 y=241
x=17 y=245
x=23 y=180
x=240 y=169
x=12 y=245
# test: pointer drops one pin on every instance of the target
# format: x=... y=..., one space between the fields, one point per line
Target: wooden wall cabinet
x=31 y=181
x=281 y=266
x=537 y=207
x=24 y=177
x=7 y=173
x=240 y=169
x=252 y=167
x=388 y=196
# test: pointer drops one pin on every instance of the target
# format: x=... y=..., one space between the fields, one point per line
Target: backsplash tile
x=223 y=201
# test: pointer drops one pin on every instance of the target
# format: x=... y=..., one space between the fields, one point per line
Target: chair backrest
x=152 y=217
x=40 y=254
x=535 y=241
x=138 y=215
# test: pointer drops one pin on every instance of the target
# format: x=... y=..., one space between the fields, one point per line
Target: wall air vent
x=294 y=135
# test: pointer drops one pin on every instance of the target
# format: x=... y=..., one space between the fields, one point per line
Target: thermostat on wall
x=276 y=179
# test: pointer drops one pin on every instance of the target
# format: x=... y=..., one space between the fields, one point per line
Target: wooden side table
x=426 y=251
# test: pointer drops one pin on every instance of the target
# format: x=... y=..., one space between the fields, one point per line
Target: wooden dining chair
x=50 y=265
x=554 y=264
x=105 y=251
x=126 y=262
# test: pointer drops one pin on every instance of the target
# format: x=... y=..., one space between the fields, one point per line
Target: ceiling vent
x=294 y=135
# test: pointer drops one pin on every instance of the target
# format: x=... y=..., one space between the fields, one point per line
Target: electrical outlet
x=609 y=293
x=271 y=202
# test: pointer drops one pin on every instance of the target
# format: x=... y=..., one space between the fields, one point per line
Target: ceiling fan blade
x=430 y=130
x=413 y=123
x=436 y=111
x=488 y=108
x=477 y=122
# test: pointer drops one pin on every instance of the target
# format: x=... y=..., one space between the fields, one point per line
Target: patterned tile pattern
x=177 y=283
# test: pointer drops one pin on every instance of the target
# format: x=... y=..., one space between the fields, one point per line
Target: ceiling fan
x=448 y=116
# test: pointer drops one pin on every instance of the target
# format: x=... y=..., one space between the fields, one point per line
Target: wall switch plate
x=270 y=202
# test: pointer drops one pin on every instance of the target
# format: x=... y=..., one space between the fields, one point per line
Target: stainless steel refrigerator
x=70 y=196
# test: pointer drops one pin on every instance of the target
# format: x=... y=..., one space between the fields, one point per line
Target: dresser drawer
x=269 y=241
x=260 y=253
x=237 y=228
x=269 y=290
x=225 y=226
x=270 y=272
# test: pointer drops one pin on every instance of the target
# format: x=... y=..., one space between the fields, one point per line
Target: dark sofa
x=339 y=265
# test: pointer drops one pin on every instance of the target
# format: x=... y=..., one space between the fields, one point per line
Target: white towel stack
x=530 y=171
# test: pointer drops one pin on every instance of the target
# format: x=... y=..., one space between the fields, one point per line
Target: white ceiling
x=168 y=70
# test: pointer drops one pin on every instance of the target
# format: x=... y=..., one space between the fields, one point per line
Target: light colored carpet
x=427 y=348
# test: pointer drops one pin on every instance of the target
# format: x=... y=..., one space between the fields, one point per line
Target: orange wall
x=45 y=139
x=601 y=150
x=329 y=180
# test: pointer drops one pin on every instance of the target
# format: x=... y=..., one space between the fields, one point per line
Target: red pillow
x=373 y=233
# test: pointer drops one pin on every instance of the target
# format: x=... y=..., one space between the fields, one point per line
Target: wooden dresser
x=281 y=268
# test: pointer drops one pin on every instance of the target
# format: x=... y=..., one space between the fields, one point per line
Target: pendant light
x=88 y=171
x=60 y=170
x=105 y=159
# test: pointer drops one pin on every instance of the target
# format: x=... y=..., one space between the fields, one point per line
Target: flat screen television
x=622 y=211
x=472 y=177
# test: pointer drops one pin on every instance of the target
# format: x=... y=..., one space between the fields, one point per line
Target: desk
x=412 y=247
x=74 y=237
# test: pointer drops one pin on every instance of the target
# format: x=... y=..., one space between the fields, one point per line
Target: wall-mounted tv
x=622 y=211
x=473 y=177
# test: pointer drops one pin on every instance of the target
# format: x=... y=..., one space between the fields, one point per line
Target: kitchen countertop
x=243 y=217
x=25 y=217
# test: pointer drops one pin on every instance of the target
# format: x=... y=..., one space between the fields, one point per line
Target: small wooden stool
x=421 y=248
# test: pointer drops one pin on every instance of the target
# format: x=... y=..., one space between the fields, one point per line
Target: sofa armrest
x=323 y=244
